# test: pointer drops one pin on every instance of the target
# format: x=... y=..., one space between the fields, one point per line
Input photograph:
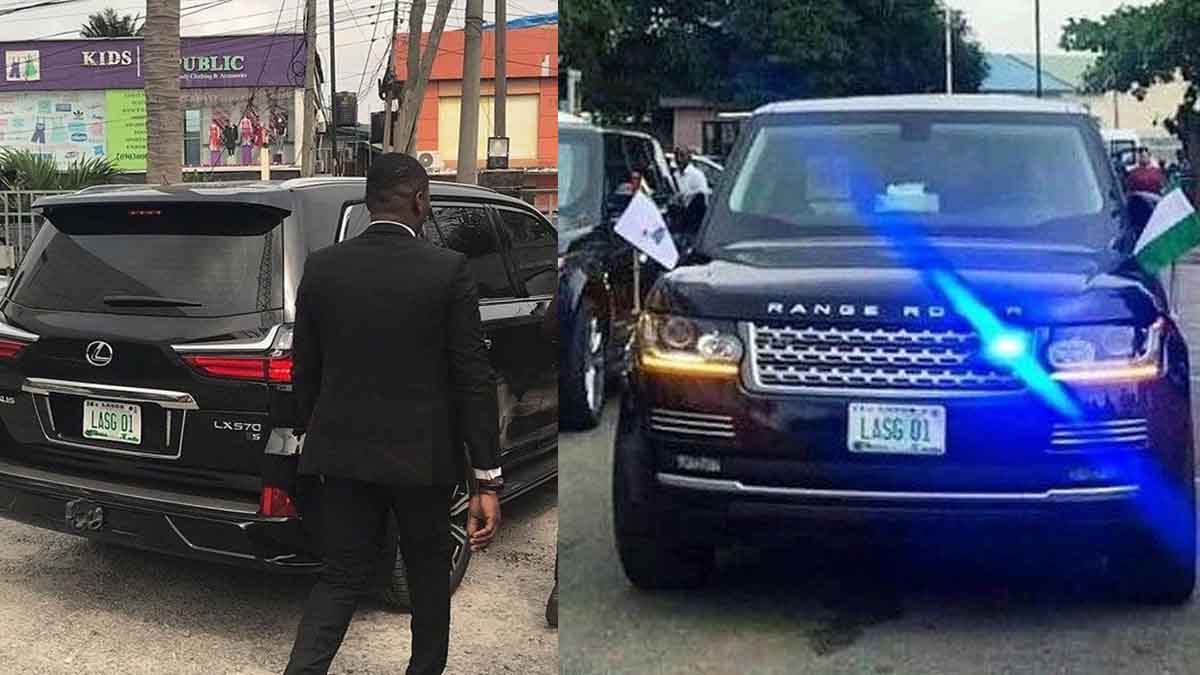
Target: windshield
x=576 y=182
x=196 y=260
x=951 y=176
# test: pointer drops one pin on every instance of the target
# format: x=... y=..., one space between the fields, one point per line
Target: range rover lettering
x=912 y=316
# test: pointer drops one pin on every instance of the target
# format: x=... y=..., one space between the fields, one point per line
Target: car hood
x=839 y=280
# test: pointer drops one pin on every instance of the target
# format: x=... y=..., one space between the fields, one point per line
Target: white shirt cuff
x=487 y=474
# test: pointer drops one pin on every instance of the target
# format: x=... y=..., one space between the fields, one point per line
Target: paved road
x=69 y=606
x=784 y=612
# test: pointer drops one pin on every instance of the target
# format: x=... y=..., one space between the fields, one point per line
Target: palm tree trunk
x=164 y=112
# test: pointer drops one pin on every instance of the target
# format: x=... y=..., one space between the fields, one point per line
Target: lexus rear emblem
x=99 y=353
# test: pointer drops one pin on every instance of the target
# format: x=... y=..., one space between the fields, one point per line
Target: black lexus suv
x=912 y=317
x=145 y=363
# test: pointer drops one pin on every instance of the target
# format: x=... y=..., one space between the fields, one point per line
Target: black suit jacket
x=390 y=371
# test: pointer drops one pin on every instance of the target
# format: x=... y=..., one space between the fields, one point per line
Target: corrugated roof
x=529 y=21
x=1067 y=67
x=1010 y=74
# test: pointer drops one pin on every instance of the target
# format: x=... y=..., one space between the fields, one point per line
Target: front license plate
x=897 y=429
x=112 y=421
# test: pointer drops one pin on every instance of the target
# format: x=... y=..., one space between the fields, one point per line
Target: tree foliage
x=108 y=24
x=1142 y=46
x=24 y=170
x=747 y=52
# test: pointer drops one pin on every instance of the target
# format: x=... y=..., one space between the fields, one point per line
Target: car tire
x=652 y=558
x=395 y=589
x=583 y=384
x=1158 y=566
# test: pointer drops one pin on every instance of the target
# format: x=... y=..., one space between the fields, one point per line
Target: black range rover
x=911 y=316
x=145 y=362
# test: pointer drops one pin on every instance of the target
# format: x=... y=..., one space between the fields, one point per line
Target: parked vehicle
x=711 y=168
x=596 y=289
x=145 y=363
x=912 y=316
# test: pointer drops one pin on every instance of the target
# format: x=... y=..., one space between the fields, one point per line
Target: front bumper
x=218 y=529
x=722 y=463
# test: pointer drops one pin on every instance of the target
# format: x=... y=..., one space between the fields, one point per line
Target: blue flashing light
x=1007 y=347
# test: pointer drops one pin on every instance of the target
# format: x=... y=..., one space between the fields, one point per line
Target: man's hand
x=483 y=520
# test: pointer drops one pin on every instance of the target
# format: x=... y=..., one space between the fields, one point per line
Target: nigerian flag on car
x=1173 y=229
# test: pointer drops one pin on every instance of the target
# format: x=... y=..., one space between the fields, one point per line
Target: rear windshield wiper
x=147 y=301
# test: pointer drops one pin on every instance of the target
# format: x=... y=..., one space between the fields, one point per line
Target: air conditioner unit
x=431 y=160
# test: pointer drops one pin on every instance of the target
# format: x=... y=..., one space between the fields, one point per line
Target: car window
x=468 y=230
x=534 y=245
x=200 y=260
x=616 y=167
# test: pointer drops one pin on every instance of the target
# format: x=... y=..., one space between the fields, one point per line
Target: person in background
x=1145 y=177
x=690 y=178
x=693 y=191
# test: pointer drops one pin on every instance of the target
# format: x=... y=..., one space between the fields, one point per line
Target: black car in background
x=913 y=319
x=145 y=362
x=596 y=289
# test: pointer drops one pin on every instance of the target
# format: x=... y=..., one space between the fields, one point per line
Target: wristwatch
x=492 y=485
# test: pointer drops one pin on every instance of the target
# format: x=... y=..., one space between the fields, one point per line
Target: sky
x=357 y=52
x=1008 y=25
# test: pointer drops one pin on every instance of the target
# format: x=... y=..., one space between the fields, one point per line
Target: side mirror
x=616 y=203
x=1138 y=207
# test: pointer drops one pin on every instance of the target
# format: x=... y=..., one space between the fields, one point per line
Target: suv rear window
x=201 y=260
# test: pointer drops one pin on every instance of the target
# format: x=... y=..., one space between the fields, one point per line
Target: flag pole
x=637 y=282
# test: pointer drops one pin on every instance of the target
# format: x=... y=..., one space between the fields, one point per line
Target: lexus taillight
x=276 y=503
x=9 y=348
x=274 y=369
x=273 y=365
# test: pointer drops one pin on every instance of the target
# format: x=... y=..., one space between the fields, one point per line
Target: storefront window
x=191 y=137
x=234 y=125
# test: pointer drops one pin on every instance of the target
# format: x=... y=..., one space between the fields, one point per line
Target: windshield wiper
x=147 y=301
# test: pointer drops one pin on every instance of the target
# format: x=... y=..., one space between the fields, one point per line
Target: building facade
x=69 y=99
x=532 y=96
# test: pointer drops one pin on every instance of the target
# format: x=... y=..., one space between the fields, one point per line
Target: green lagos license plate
x=897 y=429
x=112 y=421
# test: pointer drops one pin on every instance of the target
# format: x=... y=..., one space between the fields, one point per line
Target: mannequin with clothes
x=246 y=135
x=214 y=141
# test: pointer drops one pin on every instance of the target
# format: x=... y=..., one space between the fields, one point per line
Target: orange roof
x=532 y=52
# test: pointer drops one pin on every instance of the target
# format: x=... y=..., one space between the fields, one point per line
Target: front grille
x=795 y=357
x=689 y=424
x=1109 y=434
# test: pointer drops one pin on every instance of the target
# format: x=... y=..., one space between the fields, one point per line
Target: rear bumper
x=223 y=530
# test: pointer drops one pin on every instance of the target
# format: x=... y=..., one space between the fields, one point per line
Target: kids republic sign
x=221 y=61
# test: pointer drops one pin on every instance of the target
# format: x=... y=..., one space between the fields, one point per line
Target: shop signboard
x=206 y=62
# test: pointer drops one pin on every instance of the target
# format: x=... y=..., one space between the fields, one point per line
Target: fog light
x=698 y=464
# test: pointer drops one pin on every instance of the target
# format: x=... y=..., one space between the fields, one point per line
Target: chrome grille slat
x=791 y=357
x=1077 y=436
x=685 y=423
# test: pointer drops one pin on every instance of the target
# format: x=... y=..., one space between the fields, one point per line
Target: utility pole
x=308 y=159
x=331 y=127
x=389 y=79
x=500 y=98
x=468 y=129
x=164 y=109
x=949 y=52
x=1037 y=41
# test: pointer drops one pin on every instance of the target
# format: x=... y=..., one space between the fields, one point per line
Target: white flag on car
x=643 y=226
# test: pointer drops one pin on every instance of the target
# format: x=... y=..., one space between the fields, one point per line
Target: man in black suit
x=392 y=375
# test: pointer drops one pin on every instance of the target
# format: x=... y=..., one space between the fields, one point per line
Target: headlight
x=685 y=346
x=1105 y=353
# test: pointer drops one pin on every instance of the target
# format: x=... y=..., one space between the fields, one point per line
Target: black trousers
x=353 y=515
